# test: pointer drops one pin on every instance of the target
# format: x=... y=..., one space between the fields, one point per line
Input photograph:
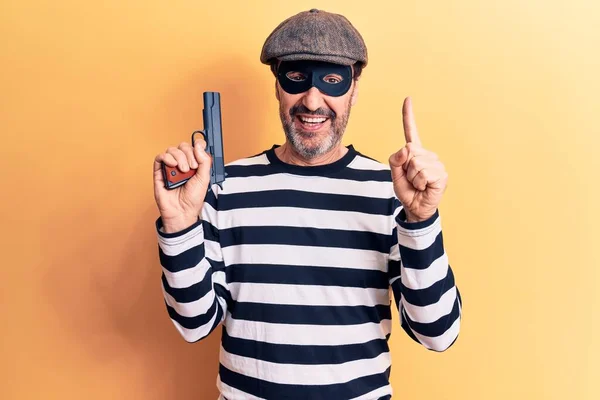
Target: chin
x=311 y=145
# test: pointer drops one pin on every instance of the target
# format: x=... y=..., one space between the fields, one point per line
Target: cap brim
x=318 y=57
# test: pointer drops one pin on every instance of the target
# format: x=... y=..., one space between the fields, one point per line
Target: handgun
x=213 y=135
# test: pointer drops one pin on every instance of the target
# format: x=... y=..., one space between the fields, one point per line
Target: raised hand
x=418 y=175
x=180 y=207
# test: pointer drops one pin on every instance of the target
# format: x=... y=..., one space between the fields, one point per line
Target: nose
x=313 y=99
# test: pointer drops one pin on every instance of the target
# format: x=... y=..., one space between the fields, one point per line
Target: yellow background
x=505 y=92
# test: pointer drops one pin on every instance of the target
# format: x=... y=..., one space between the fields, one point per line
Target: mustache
x=301 y=109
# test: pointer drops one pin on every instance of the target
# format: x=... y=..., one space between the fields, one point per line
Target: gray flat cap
x=315 y=35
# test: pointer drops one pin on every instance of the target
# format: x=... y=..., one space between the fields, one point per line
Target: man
x=296 y=253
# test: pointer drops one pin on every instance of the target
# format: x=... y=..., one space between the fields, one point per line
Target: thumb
x=399 y=158
x=402 y=186
x=204 y=162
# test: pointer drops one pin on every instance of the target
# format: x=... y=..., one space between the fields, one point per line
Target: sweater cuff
x=171 y=235
x=417 y=228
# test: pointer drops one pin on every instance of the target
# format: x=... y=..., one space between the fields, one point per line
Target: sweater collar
x=311 y=170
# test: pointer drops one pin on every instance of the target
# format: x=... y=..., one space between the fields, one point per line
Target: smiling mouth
x=311 y=123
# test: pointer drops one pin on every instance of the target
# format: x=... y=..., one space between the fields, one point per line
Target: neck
x=288 y=155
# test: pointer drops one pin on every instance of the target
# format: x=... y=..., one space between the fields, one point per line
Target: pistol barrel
x=214 y=132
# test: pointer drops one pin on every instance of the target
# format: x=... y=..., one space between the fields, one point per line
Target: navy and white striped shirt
x=297 y=263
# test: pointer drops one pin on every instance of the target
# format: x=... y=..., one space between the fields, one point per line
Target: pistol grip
x=173 y=177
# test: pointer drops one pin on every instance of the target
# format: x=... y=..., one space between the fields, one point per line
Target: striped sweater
x=297 y=264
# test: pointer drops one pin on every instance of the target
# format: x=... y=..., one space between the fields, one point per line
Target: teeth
x=313 y=120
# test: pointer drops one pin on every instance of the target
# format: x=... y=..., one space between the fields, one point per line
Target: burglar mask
x=299 y=76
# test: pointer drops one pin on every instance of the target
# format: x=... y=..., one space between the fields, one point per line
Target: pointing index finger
x=410 y=126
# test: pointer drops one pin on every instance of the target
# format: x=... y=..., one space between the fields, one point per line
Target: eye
x=333 y=79
x=295 y=76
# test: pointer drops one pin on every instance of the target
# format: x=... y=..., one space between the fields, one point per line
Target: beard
x=306 y=143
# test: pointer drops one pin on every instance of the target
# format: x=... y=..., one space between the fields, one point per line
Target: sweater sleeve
x=428 y=300
x=193 y=274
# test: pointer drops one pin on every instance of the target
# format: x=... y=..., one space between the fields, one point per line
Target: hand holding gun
x=213 y=136
x=183 y=175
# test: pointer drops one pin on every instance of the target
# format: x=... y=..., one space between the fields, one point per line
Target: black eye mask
x=299 y=76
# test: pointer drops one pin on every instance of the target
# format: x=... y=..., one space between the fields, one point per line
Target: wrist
x=412 y=218
x=173 y=225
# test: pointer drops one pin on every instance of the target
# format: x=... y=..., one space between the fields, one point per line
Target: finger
x=420 y=159
x=410 y=126
x=438 y=181
x=180 y=157
x=413 y=151
x=159 y=160
x=188 y=150
x=430 y=176
x=166 y=158
x=419 y=182
x=415 y=165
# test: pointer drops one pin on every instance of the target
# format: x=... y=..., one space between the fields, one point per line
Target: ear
x=354 y=95
x=274 y=70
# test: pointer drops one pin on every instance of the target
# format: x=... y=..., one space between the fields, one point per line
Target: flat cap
x=315 y=35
